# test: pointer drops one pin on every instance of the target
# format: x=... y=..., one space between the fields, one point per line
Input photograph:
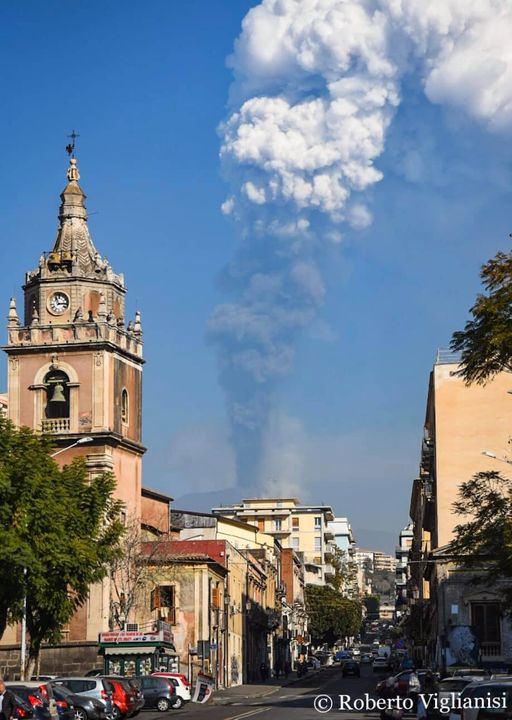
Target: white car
x=380 y=663
x=182 y=687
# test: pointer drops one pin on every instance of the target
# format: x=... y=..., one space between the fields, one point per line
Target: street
x=280 y=703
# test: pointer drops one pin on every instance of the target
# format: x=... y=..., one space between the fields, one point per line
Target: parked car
x=32 y=694
x=182 y=687
x=486 y=689
x=86 y=708
x=365 y=659
x=127 y=699
x=23 y=709
x=313 y=663
x=451 y=688
x=98 y=688
x=350 y=667
x=159 y=692
x=380 y=663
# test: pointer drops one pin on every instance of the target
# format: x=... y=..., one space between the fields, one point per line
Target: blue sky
x=146 y=87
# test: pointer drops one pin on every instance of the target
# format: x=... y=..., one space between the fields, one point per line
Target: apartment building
x=345 y=542
x=402 y=551
x=304 y=528
x=466 y=431
x=383 y=561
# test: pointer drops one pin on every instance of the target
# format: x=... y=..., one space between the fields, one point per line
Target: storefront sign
x=126 y=636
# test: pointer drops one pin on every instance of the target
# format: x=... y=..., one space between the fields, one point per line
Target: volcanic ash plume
x=316 y=85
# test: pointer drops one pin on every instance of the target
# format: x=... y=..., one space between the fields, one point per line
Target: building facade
x=303 y=528
x=466 y=429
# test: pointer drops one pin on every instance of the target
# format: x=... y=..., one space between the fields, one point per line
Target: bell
x=58 y=393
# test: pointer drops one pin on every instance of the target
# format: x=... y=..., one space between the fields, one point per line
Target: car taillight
x=21 y=712
x=35 y=701
x=62 y=704
x=43 y=690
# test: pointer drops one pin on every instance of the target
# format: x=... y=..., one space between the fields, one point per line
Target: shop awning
x=140 y=650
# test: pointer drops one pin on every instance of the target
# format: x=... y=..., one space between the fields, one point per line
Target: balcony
x=328 y=534
x=56 y=426
x=490 y=649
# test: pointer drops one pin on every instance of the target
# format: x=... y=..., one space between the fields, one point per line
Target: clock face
x=58 y=303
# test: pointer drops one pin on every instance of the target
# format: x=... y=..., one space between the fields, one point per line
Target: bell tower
x=74 y=363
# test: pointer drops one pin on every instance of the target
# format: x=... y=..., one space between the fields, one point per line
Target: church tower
x=75 y=364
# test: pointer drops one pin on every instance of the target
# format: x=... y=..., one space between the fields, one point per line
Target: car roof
x=23 y=683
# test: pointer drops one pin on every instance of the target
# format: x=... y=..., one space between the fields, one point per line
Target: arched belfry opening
x=57 y=395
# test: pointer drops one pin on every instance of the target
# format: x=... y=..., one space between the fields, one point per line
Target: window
x=318 y=543
x=278 y=524
x=57 y=395
x=295 y=523
x=261 y=525
x=486 y=622
x=318 y=522
x=295 y=543
x=162 y=597
x=124 y=407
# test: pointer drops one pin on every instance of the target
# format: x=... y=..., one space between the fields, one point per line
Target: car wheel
x=80 y=714
x=163 y=704
x=177 y=703
x=116 y=713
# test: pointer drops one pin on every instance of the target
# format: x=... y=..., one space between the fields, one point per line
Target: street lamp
x=80 y=441
x=23 y=649
x=492 y=455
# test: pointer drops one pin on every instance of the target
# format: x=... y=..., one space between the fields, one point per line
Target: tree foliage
x=485 y=343
x=372 y=604
x=331 y=616
x=483 y=541
x=58 y=531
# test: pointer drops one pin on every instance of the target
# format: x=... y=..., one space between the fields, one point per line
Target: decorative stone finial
x=35 y=315
x=137 y=326
x=72 y=173
x=102 y=308
x=12 y=316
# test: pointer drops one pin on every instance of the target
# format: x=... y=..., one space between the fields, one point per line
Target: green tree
x=485 y=343
x=59 y=529
x=372 y=604
x=483 y=543
x=331 y=616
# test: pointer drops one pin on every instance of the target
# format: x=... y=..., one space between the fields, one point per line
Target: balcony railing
x=57 y=425
x=491 y=649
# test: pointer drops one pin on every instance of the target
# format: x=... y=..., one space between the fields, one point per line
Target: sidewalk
x=252 y=691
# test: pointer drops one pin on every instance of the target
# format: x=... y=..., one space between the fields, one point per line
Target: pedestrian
x=427 y=699
x=7 y=702
x=277 y=668
x=287 y=669
x=263 y=672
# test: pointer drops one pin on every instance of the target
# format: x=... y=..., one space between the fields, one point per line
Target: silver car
x=95 y=687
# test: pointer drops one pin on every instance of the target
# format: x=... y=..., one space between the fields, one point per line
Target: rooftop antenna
x=70 y=148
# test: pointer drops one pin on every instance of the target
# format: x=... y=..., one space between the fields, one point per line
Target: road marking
x=248 y=714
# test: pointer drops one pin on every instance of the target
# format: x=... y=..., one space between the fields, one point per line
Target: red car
x=125 y=699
